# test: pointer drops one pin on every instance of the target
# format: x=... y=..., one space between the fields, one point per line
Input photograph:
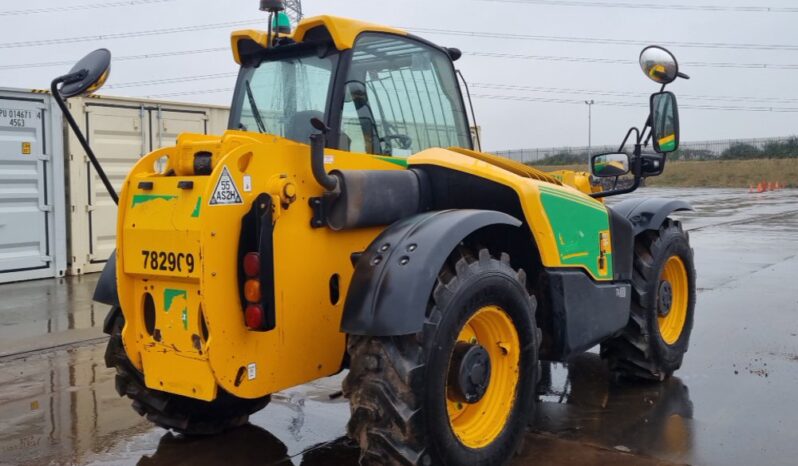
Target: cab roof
x=344 y=32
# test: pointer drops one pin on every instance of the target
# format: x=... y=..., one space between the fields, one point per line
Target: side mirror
x=652 y=165
x=87 y=76
x=664 y=122
x=609 y=165
x=659 y=64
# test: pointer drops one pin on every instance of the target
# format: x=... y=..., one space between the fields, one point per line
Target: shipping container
x=32 y=199
x=120 y=131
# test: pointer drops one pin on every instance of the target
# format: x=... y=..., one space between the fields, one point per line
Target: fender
x=394 y=277
x=105 y=291
x=649 y=213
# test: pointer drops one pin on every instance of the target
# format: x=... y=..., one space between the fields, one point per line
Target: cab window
x=401 y=97
x=284 y=92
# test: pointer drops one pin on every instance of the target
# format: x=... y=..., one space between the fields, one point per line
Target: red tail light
x=252 y=264
x=254 y=316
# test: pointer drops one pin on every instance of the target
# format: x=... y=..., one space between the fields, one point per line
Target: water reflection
x=40 y=307
x=246 y=445
x=62 y=408
x=59 y=407
x=584 y=402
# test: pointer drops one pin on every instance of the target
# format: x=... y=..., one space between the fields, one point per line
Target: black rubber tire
x=639 y=352
x=181 y=414
x=396 y=385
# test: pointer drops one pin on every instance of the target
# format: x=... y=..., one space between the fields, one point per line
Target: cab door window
x=401 y=97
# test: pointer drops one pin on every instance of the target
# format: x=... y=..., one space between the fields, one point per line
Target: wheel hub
x=469 y=372
x=665 y=300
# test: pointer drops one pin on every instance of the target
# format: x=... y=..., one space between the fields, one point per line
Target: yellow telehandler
x=345 y=222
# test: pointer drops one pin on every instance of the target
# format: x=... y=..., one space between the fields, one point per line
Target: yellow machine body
x=201 y=342
x=178 y=259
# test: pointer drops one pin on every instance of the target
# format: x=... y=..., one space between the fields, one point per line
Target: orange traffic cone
x=760 y=188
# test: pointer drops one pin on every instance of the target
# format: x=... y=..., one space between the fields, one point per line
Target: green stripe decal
x=394 y=160
x=169 y=296
x=574 y=198
x=577 y=224
x=197 y=208
x=142 y=198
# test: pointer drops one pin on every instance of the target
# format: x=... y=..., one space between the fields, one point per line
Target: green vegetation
x=775 y=149
x=742 y=150
x=726 y=173
x=562 y=158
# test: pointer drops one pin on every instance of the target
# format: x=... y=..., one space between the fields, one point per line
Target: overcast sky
x=770 y=38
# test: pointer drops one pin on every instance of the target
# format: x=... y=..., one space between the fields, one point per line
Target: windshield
x=284 y=92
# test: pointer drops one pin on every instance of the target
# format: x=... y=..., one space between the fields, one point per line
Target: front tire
x=653 y=344
x=412 y=397
x=178 y=413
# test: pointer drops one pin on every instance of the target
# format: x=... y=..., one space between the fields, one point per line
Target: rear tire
x=400 y=389
x=653 y=344
x=181 y=414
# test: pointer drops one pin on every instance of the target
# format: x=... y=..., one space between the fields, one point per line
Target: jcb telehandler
x=345 y=221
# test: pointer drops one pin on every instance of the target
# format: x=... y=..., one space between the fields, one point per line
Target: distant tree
x=687 y=153
x=741 y=150
x=563 y=158
x=781 y=149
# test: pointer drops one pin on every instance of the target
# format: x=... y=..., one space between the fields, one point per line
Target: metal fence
x=702 y=150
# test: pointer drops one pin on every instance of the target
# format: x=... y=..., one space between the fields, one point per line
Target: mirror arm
x=78 y=133
x=74 y=77
x=626 y=138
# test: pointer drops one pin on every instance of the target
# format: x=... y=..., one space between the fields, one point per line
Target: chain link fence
x=703 y=150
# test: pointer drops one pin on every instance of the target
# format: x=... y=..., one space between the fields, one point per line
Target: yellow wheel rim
x=674 y=278
x=477 y=425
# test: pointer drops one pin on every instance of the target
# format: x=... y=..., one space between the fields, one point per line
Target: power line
x=616 y=61
x=145 y=56
x=655 y=6
x=87 y=6
x=632 y=104
x=183 y=79
x=125 y=35
x=197 y=92
x=594 y=92
x=478 y=85
x=552 y=58
x=609 y=103
x=604 y=41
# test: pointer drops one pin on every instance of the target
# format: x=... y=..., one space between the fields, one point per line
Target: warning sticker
x=226 y=192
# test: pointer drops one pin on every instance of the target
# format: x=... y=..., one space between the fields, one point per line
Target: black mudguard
x=105 y=292
x=648 y=213
x=393 y=279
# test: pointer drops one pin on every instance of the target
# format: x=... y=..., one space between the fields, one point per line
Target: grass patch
x=717 y=173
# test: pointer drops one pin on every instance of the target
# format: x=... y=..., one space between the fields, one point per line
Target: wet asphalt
x=732 y=403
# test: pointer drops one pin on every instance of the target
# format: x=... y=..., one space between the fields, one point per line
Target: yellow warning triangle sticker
x=225 y=192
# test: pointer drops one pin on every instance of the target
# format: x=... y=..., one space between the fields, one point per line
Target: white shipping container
x=32 y=205
x=120 y=131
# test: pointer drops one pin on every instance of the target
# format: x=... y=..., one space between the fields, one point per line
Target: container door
x=24 y=222
x=119 y=136
x=168 y=123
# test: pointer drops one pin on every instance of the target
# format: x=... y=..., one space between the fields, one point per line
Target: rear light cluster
x=253 y=311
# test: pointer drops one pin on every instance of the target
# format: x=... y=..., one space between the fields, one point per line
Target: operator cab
x=380 y=91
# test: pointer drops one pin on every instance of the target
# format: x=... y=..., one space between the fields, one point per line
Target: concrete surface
x=731 y=404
